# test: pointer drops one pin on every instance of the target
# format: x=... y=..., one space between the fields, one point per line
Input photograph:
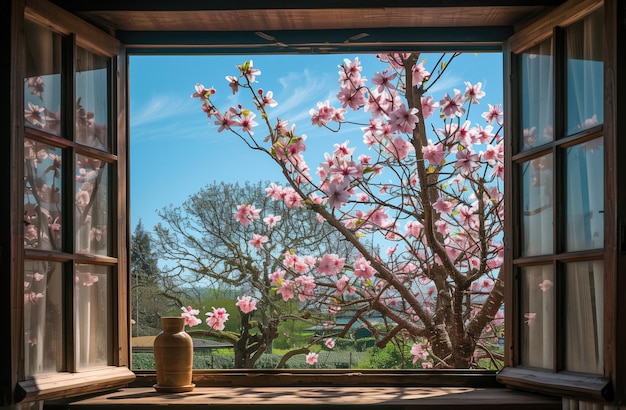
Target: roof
x=307 y=26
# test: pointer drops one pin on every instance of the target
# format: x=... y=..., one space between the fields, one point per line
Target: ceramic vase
x=173 y=357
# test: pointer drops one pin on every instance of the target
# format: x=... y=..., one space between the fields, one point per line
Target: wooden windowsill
x=261 y=398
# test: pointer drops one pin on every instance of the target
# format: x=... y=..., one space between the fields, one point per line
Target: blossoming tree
x=429 y=196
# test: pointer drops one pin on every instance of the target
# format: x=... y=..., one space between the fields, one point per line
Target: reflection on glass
x=537 y=95
x=43 y=336
x=42 y=196
x=537 y=310
x=42 y=84
x=92 y=334
x=585 y=196
x=537 y=206
x=92 y=99
x=92 y=212
x=585 y=73
x=583 y=317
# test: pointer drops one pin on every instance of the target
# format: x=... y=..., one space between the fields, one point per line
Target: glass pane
x=584 y=325
x=585 y=73
x=92 y=315
x=537 y=95
x=92 y=102
x=92 y=207
x=42 y=196
x=585 y=196
x=43 y=335
x=537 y=206
x=537 y=310
x=42 y=84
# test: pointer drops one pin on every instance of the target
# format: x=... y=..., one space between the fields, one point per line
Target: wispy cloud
x=161 y=108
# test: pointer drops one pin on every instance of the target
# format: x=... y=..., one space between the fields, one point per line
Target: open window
x=73 y=284
x=561 y=306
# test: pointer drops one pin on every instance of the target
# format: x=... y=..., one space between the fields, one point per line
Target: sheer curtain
x=584 y=228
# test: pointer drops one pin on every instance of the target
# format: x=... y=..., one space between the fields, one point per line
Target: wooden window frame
x=610 y=386
x=76 y=33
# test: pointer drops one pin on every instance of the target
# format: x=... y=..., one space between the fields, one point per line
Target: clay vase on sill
x=173 y=357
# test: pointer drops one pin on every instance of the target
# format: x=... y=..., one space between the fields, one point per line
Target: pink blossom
x=494 y=114
x=530 y=318
x=434 y=153
x=271 y=220
x=233 y=83
x=343 y=285
x=246 y=122
x=329 y=343
x=217 y=319
x=258 y=240
x=362 y=268
x=473 y=92
x=338 y=194
x=428 y=106
x=305 y=286
x=443 y=206
x=545 y=285
x=190 y=314
x=249 y=71
x=277 y=277
x=286 y=290
x=419 y=74
x=418 y=352
x=403 y=119
x=427 y=365
x=311 y=358
x=246 y=304
x=413 y=228
x=452 y=106
x=330 y=264
x=399 y=148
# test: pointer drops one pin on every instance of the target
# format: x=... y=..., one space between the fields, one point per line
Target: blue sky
x=175 y=151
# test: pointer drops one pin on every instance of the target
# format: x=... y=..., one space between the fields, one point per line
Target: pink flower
x=530 y=318
x=403 y=119
x=217 y=319
x=248 y=71
x=190 y=314
x=286 y=290
x=246 y=304
x=419 y=74
x=311 y=358
x=258 y=240
x=338 y=193
x=473 y=92
x=443 y=206
x=330 y=264
x=545 y=285
x=452 y=106
x=329 y=343
x=418 y=352
x=362 y=268
x=433 y=153
x=428 y=106
x=494 y=114
x=271 y=220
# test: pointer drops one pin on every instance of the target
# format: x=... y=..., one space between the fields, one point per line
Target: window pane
x=537 y=95
x=43 y=336
x=585 y=196
x=537 y=206
x=42 y=196
x=92 y=103
x=537 y=309
x=584 y=301
x=92 y=315
x=92 y=207
x=42 y=84
x=585 y=76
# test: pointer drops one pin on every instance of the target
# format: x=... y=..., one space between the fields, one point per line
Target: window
x=557 y=231
x=70 y=265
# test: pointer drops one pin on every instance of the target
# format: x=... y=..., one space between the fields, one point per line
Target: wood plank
x=318 y=397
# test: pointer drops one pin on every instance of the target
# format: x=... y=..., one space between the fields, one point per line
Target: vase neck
x=173 y=324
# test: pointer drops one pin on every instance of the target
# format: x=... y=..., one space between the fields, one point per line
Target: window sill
x=262 y=398
x=60 y=385
x=572 y=385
